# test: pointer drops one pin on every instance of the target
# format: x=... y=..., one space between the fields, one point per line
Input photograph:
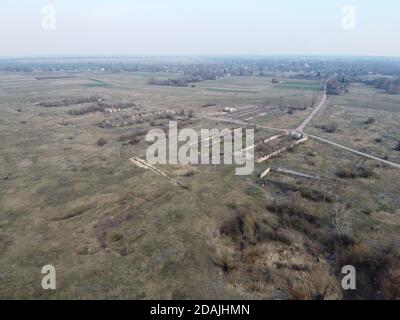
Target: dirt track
x=316 y=110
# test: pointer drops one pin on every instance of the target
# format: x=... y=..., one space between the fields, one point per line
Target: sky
x=199 y=27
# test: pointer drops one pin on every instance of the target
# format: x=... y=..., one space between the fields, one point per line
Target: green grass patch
x=308 y=87
x=96 y=85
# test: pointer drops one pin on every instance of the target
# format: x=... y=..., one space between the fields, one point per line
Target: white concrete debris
x=229 y=109
x=272 y=138
x=265 y=173
x=283 y=149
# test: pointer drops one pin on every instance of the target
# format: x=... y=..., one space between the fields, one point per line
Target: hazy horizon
x=206 y=28
x=193 y=55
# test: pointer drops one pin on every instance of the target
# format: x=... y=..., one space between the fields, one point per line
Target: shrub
x=369 y=121
x=377 y=271
x=345 y=174
x=293 y=216
x=319 y=288
x=298 y=293
x=359 y=172
x=285 y=236
x=86 y=110
x=135 y=141
x=246 y=228
x=364 y=172
x=101 y=142
x=367 y=211
x=254 y=191
x=116 y=237
x=136 y=133
x=317 y=196
x=330 y=127
x=225 y=260
x=232 y=205
x=207 y=105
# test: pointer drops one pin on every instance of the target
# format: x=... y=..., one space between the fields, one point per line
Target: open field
x=70 y=197
x=367 y=121
x=301 y=85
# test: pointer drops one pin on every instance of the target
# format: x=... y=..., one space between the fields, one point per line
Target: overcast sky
x=170 y=27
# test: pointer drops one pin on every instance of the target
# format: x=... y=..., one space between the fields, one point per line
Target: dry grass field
x=116 y=231
x=367 y=120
